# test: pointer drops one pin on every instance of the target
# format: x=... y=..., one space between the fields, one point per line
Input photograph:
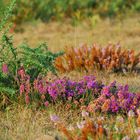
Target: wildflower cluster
x=115 y=99
x=51 y=91
x=24 y=84
x=110 y=58
x=87 y=92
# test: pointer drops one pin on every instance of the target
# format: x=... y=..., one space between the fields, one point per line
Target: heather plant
x=116 y=99
x=24 y=67
x=111 y=58
x=86 y=93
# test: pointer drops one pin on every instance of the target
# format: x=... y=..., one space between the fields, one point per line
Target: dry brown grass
x=59 y=35
x=23 y=123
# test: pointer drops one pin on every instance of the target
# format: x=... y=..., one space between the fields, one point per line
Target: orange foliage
x=110 y=58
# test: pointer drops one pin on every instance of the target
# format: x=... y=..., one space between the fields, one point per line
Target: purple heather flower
x=120 y=95
x=114 y=107
x=54 y=118
x=113 y=84
x=126 y=87
x=52 y=92
x=91 y=84
x=89 y=78
x=106 y=91
x=70 y=94
x=81 y=91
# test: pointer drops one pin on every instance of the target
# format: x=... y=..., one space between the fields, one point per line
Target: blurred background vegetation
x=76 y=10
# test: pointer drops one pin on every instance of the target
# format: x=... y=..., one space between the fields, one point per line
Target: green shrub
x=36 y=61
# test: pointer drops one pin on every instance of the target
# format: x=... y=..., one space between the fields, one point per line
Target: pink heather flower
x=105 y=91
x=85 y=114
x=46 y=103
x=126 y=138
x=5 y=68
x=22 y=89
x=137 y=131
x=131 y=114
x=54 y=118
x=21 y=72
x=27 y=99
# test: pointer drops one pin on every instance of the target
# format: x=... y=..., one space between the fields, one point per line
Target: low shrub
x=36 y=61
x=86 y=93
x=111 y=58
x=115 y=99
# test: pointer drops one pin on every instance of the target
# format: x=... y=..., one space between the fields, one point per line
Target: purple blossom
x=106 y=91
x=54 y=118
x=91 y=84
